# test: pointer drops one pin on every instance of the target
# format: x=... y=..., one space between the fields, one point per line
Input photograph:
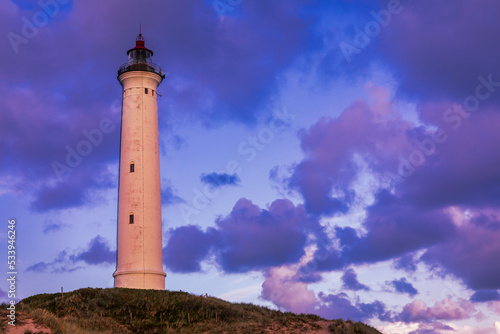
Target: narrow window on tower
x=131 y=218
x=153 y=92
x=132 y=167
x=145 y=90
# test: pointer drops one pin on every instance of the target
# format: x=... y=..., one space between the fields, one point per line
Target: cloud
x=406 y=262
x=424 y=63
x=97 y=253
x=372 y=131
x=287 y=293
x=168 y=194
x=208 y=57
x=52 y=226
x=394 y=227
x=432 y=328
x=247 y=239
x=283 y=287
x=350 y=281
x=335 y=306
x=218 y=180
x=61 y=264
x=410 y=212
x=187 y=247
x=485 y=296
x=32 y=155
x=470 y=254
x=462 y=170
x=403 y=286
x=82 y=188
x=446 y=309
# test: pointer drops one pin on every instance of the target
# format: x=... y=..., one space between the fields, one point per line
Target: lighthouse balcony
x=141 y=66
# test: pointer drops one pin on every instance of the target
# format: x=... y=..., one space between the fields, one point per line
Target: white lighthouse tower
x=139 y=255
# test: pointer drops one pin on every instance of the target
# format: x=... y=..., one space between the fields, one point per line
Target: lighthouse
x=139 y=255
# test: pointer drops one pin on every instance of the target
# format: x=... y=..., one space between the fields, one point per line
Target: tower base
x=140 y=279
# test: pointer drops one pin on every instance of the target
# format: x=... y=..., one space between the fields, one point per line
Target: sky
x=333 y=157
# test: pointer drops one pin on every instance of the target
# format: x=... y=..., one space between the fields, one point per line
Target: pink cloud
x=286 y=293
x=446 y=309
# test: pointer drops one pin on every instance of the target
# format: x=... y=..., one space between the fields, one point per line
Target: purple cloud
x=255 y=238
x=432 y=63
x=415 y=214
x=373 y=131
x=406 y=262
x=431 y=328
x=338 y=306
x=485 y=296
x=446 y=309
x=218 y=180
x=98 y=252
x=350 y=281
x=62 y=263
x=52 y=226
x=81 y=188
x=207 y=59
x=168 y=194
x=187 y=247
x=249 y=238
x=461 y=171
x=403 y=286
x=394 y=227
x=471 y=254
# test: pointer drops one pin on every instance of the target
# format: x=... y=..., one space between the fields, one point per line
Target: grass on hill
x=118 y=310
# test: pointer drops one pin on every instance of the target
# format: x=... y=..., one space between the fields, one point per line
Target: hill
x=109 y=311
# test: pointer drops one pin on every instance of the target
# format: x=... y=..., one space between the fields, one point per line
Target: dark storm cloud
x=218 y=180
